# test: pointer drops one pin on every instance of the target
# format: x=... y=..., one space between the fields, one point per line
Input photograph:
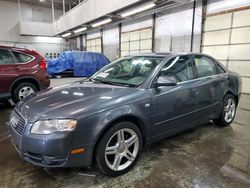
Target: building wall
x=173 y=30
x=89 y=10
x=137 y=36
x=226 y=36
x=168 y=35
x=225 y=33
x=10 y=28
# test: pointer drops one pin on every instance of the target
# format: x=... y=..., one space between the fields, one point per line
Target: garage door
x=134 y=42
x=226 y=37
x=94 y=45
x=138 y=41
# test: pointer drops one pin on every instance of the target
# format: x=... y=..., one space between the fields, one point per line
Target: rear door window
x=5 y=57
x=22 y=58
x=205 y=66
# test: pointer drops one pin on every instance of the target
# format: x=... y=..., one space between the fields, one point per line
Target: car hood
x=75 y=100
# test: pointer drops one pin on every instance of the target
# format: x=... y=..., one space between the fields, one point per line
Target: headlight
x=51 y=126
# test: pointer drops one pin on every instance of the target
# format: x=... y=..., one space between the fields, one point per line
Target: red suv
x=22 y=72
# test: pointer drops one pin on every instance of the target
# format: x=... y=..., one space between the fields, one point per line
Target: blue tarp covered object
x=82 y=63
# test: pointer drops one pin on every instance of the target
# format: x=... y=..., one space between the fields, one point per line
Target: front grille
x=17 y=122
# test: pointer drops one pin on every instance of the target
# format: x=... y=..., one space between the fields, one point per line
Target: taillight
x=43 y=64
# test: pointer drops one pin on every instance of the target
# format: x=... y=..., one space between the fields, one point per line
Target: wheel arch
x=128 y=118
x=235 y=96
x=25 y=79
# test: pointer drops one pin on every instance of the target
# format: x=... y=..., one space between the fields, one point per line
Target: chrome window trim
x=201 y=78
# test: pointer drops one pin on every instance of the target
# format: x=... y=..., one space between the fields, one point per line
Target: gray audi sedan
x=127 y=105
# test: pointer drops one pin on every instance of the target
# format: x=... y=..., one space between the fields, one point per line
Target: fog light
x=77 y=151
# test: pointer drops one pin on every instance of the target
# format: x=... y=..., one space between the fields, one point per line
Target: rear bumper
x=49 y=150
x=45 y=83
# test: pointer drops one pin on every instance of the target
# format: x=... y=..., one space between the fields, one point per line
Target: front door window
x=179 y=68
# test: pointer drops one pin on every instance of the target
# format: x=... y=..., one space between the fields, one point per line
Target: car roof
x=12 y=47
x=18 y=49
x=164 y=54
x=148 y=55
x=6 y=47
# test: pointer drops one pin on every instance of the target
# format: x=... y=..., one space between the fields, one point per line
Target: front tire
x=119 y=149
x=23 y=90
x=228 y=111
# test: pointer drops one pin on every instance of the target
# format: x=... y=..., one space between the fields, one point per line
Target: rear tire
x=23 y=90
x=119 y=149
x=228 y=111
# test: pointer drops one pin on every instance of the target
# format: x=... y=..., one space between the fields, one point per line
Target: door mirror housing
x=166 y=81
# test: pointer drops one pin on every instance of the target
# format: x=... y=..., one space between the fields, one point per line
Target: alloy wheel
x=229 y=110
x=25 y=91
x=121 y=149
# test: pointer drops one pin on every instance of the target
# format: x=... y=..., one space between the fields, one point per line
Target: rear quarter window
x=22 y=58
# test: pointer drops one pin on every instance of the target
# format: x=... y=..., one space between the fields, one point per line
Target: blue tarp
x=82 y=63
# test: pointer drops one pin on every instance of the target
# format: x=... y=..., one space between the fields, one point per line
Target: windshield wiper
x=114 y=83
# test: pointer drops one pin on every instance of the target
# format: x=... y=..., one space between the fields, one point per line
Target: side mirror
x=166 y=81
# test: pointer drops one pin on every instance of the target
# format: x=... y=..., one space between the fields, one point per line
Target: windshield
x=131 y=71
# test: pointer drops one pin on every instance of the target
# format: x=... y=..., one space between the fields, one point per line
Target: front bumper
x=52 y=150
